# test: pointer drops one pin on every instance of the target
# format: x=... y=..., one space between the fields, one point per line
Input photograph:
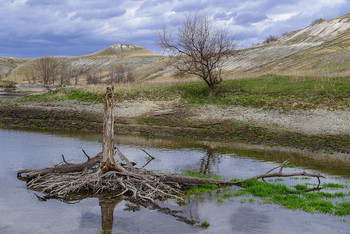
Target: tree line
x=50 y=70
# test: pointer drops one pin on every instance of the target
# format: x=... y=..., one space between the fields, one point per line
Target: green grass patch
x=333 y=186
x=261 y=189
x=204 y=188
x=270 y=91
x=227 y=195
x=193 y=173
x=219 y=200
x=342 y=208
x=79 y=94
x=296 y=198
x=300 y=187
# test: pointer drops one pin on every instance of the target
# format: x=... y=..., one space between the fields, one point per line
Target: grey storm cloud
x=32 y=28
x=91 y=14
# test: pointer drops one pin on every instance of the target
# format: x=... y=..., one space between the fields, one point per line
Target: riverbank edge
x=178 y=125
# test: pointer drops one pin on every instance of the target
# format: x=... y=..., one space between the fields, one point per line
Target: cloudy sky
x=33 y=28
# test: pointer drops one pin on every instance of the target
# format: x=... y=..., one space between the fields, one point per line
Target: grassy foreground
x=269 y=91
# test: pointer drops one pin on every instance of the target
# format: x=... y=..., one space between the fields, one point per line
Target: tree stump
x=109 y=161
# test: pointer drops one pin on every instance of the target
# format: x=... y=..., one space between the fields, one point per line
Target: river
x=22 y=212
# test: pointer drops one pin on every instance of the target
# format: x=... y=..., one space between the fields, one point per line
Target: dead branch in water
x=280 y=174
x=68 y=168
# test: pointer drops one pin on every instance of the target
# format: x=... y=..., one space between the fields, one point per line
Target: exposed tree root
x=143 y=185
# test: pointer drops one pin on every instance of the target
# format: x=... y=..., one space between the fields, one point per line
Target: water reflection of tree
x=188 y=214
x=107 y=211
x=210 y=160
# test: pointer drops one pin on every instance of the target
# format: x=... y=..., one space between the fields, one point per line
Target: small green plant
x=219 y=200
x=205 y=224
x=227 y=195
x=251 y=200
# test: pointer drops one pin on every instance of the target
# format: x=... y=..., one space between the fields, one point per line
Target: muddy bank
x=168 y=119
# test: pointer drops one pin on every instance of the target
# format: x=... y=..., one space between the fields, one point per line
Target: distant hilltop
x=320 y=49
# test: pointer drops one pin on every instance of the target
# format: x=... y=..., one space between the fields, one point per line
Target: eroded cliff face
x=315 y=35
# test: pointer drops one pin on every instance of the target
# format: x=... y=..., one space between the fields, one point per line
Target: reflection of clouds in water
x=248 y=220
x=36 y=150
x=167 y=160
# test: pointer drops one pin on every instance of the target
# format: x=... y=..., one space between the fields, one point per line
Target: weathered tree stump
x=109 y=162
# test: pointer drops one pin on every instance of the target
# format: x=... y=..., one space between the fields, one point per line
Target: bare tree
x=198 y=47
x=30 y=76
x=66 y=73
x=93 y=76
x=117 y=74
x=76 y=73
x=46 y=68
x=130 y=75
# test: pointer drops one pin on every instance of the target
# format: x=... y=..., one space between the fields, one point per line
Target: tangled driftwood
x=104 y=173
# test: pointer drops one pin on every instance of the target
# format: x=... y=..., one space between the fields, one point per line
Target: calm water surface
x=12 y=95
x=22 y=212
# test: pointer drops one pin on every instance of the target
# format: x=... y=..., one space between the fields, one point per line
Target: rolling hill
x=128 y=55
x=321 y=49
